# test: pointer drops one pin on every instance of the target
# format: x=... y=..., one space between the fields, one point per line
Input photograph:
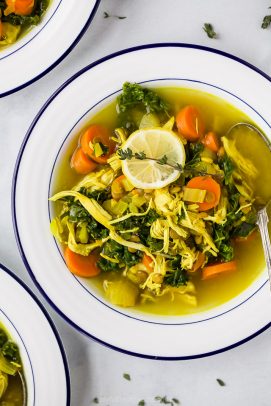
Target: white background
x=97 y=371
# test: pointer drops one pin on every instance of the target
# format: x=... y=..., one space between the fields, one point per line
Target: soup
x=11 y=388
x=153 y=206
x=17 y=17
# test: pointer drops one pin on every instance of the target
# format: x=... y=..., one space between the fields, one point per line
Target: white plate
x=127 y=330
x=42 y=353
x=46 y=44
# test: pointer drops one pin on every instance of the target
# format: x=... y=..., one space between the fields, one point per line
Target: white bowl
x=164 y=337
x=41 y=350
x=46 y=44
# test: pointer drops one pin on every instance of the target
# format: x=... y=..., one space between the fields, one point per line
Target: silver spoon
x=262 y=216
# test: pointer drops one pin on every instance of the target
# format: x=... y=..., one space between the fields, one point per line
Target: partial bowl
x=43 y=357
x=45 y=45
x=69 y=109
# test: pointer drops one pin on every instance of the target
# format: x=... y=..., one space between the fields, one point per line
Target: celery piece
x=3 y=383
x=120 y=207
x=98 y=151
x=82 y=234
x=122 y=293
x=6 y=366
x=10 y=33
x=133 y=208
x=138 y=201
x=149 y=120
x=127 y=185
x=194 y=195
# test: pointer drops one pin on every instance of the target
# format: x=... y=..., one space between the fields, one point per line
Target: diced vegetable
x=122 y=293
x=97 y=139
x=81 y=265
x=3 y=384
x=212 y=189
x=19 y=7
x=10 y=33
x=194 y=195
x=81 y=163
x=212 y=271
x=211 y=141
x=6 y=366
x=190 y=123
x=149 y=120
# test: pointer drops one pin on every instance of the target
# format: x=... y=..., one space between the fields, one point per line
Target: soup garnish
x=11 y=388
x=158 y=203
x=17 y=16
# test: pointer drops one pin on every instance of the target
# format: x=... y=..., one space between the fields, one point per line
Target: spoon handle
x=262 y=222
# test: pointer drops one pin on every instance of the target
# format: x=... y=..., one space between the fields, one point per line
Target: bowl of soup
x=28 y=375
x=28 y=26
x=140 y=213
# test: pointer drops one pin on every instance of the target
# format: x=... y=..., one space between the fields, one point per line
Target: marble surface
x=97 y=371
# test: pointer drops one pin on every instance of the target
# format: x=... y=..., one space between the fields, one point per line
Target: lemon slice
x=155 y=143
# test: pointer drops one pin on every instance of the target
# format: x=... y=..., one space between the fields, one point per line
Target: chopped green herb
x=126 y=376
x=135 y=95
x=208 y=28
x=220 y=382
x=95 y=400
x=107 y=15
x=163 y=400
x=141 y=403
x=266 y=21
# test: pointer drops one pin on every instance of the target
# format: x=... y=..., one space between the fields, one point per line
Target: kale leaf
x=177 y=276
x=117 y=251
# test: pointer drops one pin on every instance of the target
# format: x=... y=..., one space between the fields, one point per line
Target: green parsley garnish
x=209 y=29
x=141 y=403
x=166 y=401
x=107 y=15
x=95 y=400
x=127 y=377
x=220 y=382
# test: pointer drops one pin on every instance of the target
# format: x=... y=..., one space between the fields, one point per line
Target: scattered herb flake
x=220 y=382
x=127 y=377
x=163 y=400
x=141 y=403
x=209 y=29
x=266 y=21
x=107 y=15
x=95 y=400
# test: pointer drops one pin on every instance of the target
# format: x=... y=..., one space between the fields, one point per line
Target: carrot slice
x=213 y=191
x=81 y=162
x=20 y=7
x=80 y=265
x=190 y=123
x=148 y=262
x=211 y=141
x=214 y=270
x=97 y=134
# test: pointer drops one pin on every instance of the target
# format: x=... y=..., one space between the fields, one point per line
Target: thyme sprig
x=124 y=154
x=128 y=154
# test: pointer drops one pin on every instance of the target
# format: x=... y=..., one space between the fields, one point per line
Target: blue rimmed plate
x=151 y=336
x=42 y=353
x=46 y=44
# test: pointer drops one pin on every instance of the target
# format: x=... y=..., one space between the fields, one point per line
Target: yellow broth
x=219 y=116
x=14 y=394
